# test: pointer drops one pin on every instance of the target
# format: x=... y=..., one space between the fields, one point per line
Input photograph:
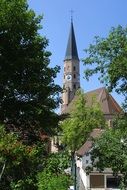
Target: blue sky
x=91 y=18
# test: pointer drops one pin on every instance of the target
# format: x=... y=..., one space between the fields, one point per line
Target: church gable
x=107 y=103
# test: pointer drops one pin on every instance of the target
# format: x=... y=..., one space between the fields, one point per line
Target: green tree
x=53 y=177
x=28 y=94
x=110 y=150
x=48 y=181
x=81 y=121
x=58 y=162
x=18 y=162
x=108 y=56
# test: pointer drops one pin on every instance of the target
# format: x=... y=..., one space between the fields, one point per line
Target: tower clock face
x=68 y=77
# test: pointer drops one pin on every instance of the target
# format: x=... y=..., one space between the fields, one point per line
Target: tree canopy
x=81 y=121
x=28 y=94
x=108 y=56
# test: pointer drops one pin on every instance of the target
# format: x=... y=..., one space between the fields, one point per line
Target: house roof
x=88 y=144
x=107 y=103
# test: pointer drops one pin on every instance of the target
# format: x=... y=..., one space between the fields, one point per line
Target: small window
x=74 y=86
x=64 y=76
x=113 y=182
x=74 y=76
x=87 y=161
x=74 y=68
x=64 y=68
x=110 y=123
x=96 y=181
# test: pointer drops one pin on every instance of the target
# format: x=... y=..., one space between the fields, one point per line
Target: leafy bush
x=49 y=181
x=53 y=176
x=18 y=162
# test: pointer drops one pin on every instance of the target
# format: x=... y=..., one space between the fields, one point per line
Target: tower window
x=74 y=86
x=64 y=76
x=64 y=68
x=74 y=68
x=74 y=76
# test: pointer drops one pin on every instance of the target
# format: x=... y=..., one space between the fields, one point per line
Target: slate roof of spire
x=71 y=51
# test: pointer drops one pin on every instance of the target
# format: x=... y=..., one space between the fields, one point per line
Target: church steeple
x=71 y=51
x=71 y=76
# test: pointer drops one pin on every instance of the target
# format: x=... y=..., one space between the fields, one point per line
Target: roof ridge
x=107 y=95
x=95 y=90
x=100 y=95
x=115 y=103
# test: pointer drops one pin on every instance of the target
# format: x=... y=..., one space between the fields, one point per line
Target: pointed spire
x=71 y=51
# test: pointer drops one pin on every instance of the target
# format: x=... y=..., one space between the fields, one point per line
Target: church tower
x=71 y=76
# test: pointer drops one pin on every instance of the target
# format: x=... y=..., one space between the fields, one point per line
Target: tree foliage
x=58 y=162
x=50 y=181
x=28 y=94
x=18 y=162
x=81 y=121
x=53 y=177
x=110 y=150
x=108 y=56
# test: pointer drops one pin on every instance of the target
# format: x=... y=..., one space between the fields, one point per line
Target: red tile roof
x=107 y=103
x=88 y=144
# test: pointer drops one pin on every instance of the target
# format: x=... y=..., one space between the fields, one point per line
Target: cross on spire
x=72 y=12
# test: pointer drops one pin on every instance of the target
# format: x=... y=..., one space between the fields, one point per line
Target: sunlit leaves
x=108 y=56
x=82 y=120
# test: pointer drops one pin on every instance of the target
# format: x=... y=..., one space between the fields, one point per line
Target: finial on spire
x=71 y=11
